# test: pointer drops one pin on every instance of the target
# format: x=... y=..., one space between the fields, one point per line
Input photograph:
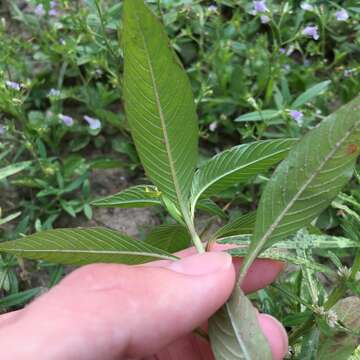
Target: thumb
x=108 y=311
x=178 y=298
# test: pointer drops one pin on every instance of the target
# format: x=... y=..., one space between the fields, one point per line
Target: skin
x=107 y=311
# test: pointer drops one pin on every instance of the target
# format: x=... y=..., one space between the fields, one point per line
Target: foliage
x=260 y=79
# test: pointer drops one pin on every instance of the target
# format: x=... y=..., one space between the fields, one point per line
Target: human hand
x=107 y=311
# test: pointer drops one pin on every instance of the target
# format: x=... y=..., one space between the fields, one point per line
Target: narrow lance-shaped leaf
x=135 y=196
x=210 y=207
x=8 y=218
x=246 y=344
x=305 y=241
x=243 y=224
x=301 y=188
x=19 y=298
x=148 y=195
x=159 y=104
x=237 y=165
x=259 y=115
x=84 y=246
x=287 y=257
x=311 y=93
x=13 y=169
x=170 y=237
x=305 y=183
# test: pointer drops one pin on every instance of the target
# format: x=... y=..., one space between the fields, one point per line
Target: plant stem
x=103 y=28
x=339 y=291
x=248 y=260
x=197 y=241
x=333 y=298
x=194 y=236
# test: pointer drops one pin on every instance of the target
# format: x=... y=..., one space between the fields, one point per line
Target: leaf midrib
x=208 y=185
x=161 y=115
x=247 y=356
x=114 y=202
x=102 y=252
x=249 y=259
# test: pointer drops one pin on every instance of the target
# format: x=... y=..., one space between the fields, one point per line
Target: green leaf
x=280 y=251
x=341 y=345
x=238 y=317
x=19 y=298
x=243 y=224
x=305 y=183
x=170 y=238
x=310 y=94
x=310 y=345
x=285 y=256
x=135 y=196
x=13 y=169
x=237 y=165
x=84 y=246
x=159 y=104
x=9 y=217
x=210 y=207
x=258 y=115
x=300 y=241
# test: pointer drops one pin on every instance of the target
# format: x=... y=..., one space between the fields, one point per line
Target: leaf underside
x=84 y=246
x=159 y=104
x=305 y=183
x=210 y=207
x=135 y=196
x=237 y=165
x=243 y=224
x=282 y=250
x=248 y=342
x=170 y=238
x=300 y=189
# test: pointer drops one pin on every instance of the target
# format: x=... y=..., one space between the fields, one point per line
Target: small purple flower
x=53 y=4
x=282 y=50
x=311 y=31
x=212 y=8
x=54 y=92
x=39 y=10
x=260 y=6
x=297 y=116
x=94 y=124
x=264 y=19
x=307 y=7
x=2 y=129
x=53 y=12
x=342 y=15
x=13 y=85
x=67 y=120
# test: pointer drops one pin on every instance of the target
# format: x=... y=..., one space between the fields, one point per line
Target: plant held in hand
x=161 y=113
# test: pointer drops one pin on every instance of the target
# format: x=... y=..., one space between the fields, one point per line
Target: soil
x=132 y=222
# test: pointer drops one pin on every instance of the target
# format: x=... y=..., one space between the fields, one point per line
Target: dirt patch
x=133 y=222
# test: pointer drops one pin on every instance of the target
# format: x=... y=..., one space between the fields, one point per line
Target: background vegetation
x=259 y=70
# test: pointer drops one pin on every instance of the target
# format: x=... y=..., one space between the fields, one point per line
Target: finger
x=112 y=311
x=275 y=334
x=7 y=318
x=261 y=273
x=192 y=347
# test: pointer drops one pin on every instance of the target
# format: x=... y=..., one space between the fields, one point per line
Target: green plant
x=163 y=122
